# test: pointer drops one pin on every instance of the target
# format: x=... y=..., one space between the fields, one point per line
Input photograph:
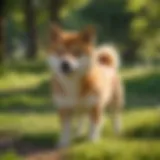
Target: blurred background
x=29 y=126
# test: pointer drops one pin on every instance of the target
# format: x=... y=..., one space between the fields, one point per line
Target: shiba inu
x=85 y=80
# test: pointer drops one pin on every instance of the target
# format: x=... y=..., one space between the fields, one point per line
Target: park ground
x=29 y=127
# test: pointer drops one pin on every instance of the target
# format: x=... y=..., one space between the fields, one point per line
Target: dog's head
x=70 y=52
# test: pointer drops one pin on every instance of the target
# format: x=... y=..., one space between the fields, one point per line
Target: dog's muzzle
x=66 y=67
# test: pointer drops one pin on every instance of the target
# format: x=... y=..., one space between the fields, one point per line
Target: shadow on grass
x=35 y=67
x=28 y=143
x=144 y=132
x=36 y=143
x=143 y=91
x=27 y=100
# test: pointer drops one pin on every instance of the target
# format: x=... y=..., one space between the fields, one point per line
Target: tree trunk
x=31 y=29
x=2 y=31
x=130 y=55
x=55 y=6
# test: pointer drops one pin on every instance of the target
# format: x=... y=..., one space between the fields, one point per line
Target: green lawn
x=28 y=120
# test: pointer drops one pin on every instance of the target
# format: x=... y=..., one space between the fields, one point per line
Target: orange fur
x=69 y=42
x=99 y=86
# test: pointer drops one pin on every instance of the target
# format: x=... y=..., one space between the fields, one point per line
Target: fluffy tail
x=108 y=56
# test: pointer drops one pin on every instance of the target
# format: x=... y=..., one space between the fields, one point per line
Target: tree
x=31 y=28
x=145 y=28
x=133 y=25
x=59 y=9
x=2 y=5
x=55 y=6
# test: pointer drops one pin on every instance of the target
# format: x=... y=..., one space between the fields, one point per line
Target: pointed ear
x=89 y=34
x=55 y=31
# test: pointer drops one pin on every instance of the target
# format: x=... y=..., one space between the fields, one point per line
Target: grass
x=29 y=124
x=140 y=137
x=116 y=150
x=10 y=156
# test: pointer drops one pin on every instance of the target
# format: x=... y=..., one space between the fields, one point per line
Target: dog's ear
x=55 y=32
x=88 y=34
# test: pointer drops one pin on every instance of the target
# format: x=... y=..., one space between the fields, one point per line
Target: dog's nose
x=65 y=66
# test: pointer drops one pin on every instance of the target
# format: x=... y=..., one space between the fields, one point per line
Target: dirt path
x=30 y=151
x=47 y=155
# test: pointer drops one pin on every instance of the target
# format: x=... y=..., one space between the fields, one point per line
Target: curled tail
x=108 y=56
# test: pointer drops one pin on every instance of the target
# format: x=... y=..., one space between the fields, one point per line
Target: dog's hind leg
x=116 y=108
x=116 y=121
x=96 y=118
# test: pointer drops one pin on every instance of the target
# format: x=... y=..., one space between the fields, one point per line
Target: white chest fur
x=71 y=88
x=72 y=97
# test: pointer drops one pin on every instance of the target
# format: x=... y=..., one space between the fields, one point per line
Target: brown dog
x=85 y=80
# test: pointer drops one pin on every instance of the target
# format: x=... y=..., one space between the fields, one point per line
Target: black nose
x=65 y=66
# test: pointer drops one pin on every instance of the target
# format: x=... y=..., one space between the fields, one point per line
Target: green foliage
x=110 y=18
x=145 y=27
x=133 y=25
x=13 y=6
x=125 y=23
x=70 y=5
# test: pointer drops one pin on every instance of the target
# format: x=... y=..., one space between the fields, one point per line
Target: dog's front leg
x=80 y=126
x=65 y=118
x=96 y=123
